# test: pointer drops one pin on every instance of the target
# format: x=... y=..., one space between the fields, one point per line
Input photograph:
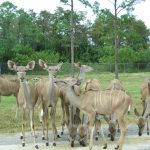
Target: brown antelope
x=27 y=96
x=83 y=69
x=48 y=94
x=115 y=84
x=9 y=87
x=103 y=102
x=145 y=98
x=94 y=84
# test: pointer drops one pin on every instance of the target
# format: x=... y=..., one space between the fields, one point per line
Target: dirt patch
x=132 y=142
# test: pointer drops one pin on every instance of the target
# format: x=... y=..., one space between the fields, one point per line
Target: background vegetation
x=26 y=35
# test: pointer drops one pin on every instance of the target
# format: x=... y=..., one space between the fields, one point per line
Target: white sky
x=142 y=10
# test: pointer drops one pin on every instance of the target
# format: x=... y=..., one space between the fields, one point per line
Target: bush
x=46 y=55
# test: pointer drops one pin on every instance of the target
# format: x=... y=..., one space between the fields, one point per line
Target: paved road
x=132 y=142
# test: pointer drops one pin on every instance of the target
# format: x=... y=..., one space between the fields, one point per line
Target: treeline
x=27 y=35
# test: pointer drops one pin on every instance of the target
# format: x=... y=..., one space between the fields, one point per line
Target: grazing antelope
x=27 y=96
x=83 y=69
x=103 y=102
x=94 y=84
x=48 y=94
x=145 y=97
x=115 y=84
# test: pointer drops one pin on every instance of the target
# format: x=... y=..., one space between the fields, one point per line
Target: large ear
x=136 y=112
x=30 y=65
x=11 y=65
x=87 y=68
x=42 y=64
x=77 y=65
x=59 y=66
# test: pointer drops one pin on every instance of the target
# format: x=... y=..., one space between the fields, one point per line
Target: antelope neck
x=26 y=93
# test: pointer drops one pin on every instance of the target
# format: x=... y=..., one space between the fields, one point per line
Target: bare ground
x=132 y=141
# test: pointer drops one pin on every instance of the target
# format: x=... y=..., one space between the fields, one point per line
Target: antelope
x=27 y=97
x=9 y=87
x=115 y=84
x=48 y=93
x=145 y=98
x=93 y=84
x=103 y=102
x=65 y=103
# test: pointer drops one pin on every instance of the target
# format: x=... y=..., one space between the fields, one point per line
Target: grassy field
x=131 y=82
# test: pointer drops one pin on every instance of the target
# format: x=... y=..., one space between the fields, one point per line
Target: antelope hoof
x=117 y=147
x=82 y=143
x=105 y=146
x=54 y=144
x=112 y=138
x=23 y=144
x=21 y=137
x=36 y=146
x=62 y=133
x=47 y=144
x=96 y=138
x=43 y=138
x=58 y=136
x=147 y=133
x=72 y=144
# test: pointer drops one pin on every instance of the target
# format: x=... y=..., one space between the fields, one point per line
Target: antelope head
x=72 y=134
x=82 y=135
x=112 y=130
x=52 y=70
x=141 y=122
x=21 y=70
x=82 y=70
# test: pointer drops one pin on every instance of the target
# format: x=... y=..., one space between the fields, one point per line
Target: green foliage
x=21 y=59
x=143 y=56
x=47 y=55
x=127 y=55
x=27 y=35
x=22 y=49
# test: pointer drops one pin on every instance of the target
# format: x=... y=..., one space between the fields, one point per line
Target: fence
x=98 y=67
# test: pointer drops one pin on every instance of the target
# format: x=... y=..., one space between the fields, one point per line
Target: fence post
x=0 y=67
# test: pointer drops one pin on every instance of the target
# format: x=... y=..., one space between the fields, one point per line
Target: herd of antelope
x=93 y=102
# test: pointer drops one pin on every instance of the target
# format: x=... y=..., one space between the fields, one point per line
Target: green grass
x=131 y=82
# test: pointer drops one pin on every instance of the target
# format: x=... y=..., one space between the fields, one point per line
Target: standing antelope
x=48 y=93
x=145 y=97
x=103 y=102
x=115 y=84
x=83 y=69
x=27 y=96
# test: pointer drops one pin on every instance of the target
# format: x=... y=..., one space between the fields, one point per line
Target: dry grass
x=131 y=81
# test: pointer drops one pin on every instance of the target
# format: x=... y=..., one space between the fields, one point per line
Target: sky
x=142 y=10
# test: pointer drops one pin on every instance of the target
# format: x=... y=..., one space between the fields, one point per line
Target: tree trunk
x=116 y=41
x=72 y=41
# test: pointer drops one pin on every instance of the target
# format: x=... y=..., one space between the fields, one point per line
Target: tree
x=86 y=3
x=118 y=7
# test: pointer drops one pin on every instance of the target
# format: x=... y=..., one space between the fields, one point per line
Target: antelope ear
x=30 y=65
x=136 y=112
x=87 y=68
x=77 y=65
x=11 y=65
x=59 y=66
x=42 y=64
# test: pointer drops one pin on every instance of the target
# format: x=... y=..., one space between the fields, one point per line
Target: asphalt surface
x=132 y=141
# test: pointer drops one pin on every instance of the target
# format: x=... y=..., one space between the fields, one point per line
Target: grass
x=131 y=82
